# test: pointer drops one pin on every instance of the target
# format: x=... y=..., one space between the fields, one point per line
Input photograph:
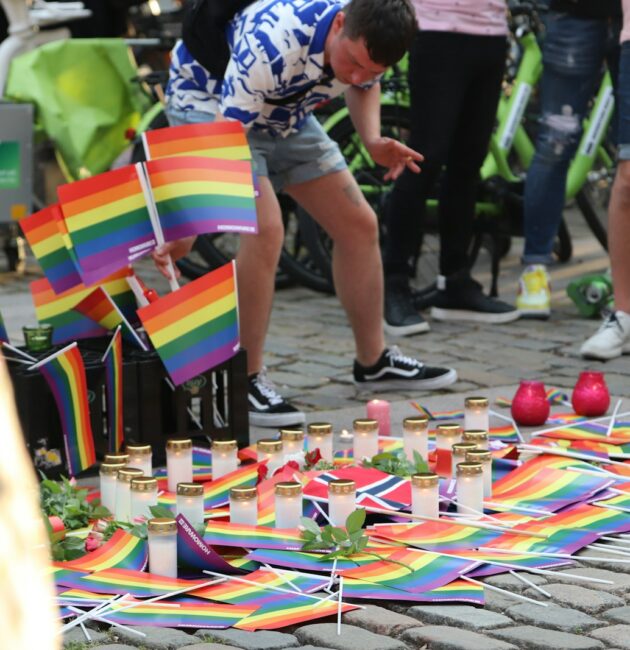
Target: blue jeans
x=623 y=114
x=574 y=53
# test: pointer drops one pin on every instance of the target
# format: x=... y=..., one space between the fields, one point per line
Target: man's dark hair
x=387 y=26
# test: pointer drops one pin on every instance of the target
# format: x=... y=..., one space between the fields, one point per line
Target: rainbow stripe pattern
x=602 y=521
x=564 y=540
x=456 y=591
x=122 y=551
x=230 y=534
x=314 y=562
x=136 y=583
x=554 y=396
x=438 y=415
x=596 y=431
x=113 y=362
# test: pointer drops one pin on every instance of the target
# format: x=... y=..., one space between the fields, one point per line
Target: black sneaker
x=459 y=297
x=401 y=318
x=394 y=371
x=266 y=407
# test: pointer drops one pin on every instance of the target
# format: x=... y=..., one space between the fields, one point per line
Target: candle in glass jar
x=425 y=500
x=484 y=457
x=288 y=501
x=179 y=462
x=120 y=457
x=342 y=495
x=140 y=456
x=476 y=415
x=109 y=475
x=122 y=510
x=458 y=454
x=470 y=489
x=478 y=436
x=320 y=437
x=271 y=451
x=292 y=441
x=446 y=435
x=190 y=503
x=244 y=506
x=224 y=458
x=365 y=439
x=163 y=547
x=144 y=490
x=416 y=436
x=380 y=410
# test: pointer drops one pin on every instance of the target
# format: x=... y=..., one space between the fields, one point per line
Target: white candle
x=425 y=500
x=365 y=439
x=108 y=478
x=244 y=506
x=380 y=410
x=446 y=435
x=140 y=456
x=190 y=503
x=292 y=441
x=416 y=436
x=342 y=495
x=144 y=490
x=320 y=437
x=120 y=457
x=224 y=458
x=458 y=454
x=476 y=414
x=478 y=436
x=163 y=547
x=288 y=502
x=122 y=509
x=271 y=451
x=470 y=489
x=179 y=463
x=484 y=457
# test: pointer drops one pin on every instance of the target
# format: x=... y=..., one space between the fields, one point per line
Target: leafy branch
x=397 y=463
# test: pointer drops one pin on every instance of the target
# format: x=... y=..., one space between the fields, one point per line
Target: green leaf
x=161 y=512
x=308 y=524
x=339 y=534
x=327 y=536
x=355 y=520
x=362 y=543
x=420 y=463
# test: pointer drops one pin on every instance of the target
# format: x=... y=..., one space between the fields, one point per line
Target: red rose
x=311 y=458
x=263 y=470
x=93 y=541
x=290 y=465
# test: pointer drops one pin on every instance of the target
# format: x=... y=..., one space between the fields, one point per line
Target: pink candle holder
x=530 y=406
x=379 y=410
x=590 y=394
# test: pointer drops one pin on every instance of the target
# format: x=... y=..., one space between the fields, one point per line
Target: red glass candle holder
x=530 y=406
x=590 y=394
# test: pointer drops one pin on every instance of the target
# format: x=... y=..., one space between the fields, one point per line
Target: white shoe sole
x=274 y=420
x=473 y=316
x=539 y=314
x=435 y=383
x=604 y=355
x=405 y=330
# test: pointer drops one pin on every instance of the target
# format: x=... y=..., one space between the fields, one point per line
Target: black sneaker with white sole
x=395 y=371
x=266 y=407
x=401 y=317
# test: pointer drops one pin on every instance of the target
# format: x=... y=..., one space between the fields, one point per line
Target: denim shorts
x=300 y=157
x=623 y=95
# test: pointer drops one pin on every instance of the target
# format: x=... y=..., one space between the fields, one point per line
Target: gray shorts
x=302 y=156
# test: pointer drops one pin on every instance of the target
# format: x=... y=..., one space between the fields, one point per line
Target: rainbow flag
x=220 y=533
x=563 y=540
x=122 y=550
x=195 y=328
x=113 y=362
x=4 y=337
x=455 y=591
x=386 y=444
x=554 y=396
x=313 y=562
x=107 y=220
x=620 y=501
x=137 y=583
x=65 y=374
x=194 y=196
x=438 y=415
x=490 y=564
x=42 y=232
x=596 y=431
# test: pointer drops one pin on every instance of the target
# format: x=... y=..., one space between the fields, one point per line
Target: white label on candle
x=340 y=506
x=179 y=467
x=163 y=555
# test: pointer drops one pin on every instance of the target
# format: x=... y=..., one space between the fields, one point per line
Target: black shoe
x=401 y=318
x=394 y=371
x=459 y=297
x=266 y=407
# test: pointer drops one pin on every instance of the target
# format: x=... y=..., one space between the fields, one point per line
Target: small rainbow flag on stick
x=195 y=328
x=65 y=374
x=113 y=361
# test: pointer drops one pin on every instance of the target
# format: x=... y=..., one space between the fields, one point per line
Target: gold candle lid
x=476 y=402
x=460 y=448
x=425 y=480
x=127 y=473
x=190 y=489
x=116 y=458
x=417 y=423
x=269 y=446
x=288 y=489
x=292 y=435
x=139 y=450
x=111 y=469
x=469 y=469
x=143 y=484
x=224 y=445
x=162 y=526
x=320 y=428
x=479 y=456
x=365 y=425
x=181 y=444
x=243 y=493
x=342 y=486
x=448 y=429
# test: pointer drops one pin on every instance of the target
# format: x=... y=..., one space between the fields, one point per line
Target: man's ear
x=338 y=22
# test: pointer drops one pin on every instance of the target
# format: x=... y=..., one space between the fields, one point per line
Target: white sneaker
x=534 y=292
x=611 y=340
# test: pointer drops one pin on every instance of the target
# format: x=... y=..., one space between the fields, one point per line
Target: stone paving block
x=586 y=600
x=211 y=646
x=157 y=638
x=466 y=616
x=498 y=602
x=311 y=647
x=442 y=637
x=617 y=635
x=284 y=378
x=115 y=646
x=260 y=640
x=75 y=635
x=617 y=614
x=621 y=580
x=511 y=583
x=553 y=617
x=528 y=637
x=379 y=620
x=351 y=638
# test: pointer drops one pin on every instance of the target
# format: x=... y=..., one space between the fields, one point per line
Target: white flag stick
x=531 y=584
x=503 y=591
x=564 y=556
x=542 y=432
x=21 y=353
x=555 y=451
x=510 y=420
x=611 y=425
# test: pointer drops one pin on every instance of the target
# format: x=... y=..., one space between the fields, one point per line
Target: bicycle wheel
x=592 y=200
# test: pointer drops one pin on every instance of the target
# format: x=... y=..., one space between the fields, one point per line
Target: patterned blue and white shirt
x=276 y=74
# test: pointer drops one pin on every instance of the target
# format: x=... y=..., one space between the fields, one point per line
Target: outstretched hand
x=394 y=155
x=171 y=251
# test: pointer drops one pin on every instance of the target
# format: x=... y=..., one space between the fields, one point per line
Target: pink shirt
x=480 y=17
x=625 y=32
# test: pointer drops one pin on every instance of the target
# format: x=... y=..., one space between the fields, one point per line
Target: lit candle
x=224 y=458
x=470 y=489
x=478 y=436
x=484 y=457
x=365 y=441
x=122 y=510
x=320 y=437
x=425 y=501
x=446 y=435
x=190 y=503
x=292 y=441
x=144 y=491
x=140 y=456
x=244 y=506
x=416 y=436
x=116 y=458
x=379 y=410
x=163 y=547
x=476 y=413
x=271 y=451
x=342 y=494
x=108 y=474
x=288 y=504
x=458 y=454
x=179 y=462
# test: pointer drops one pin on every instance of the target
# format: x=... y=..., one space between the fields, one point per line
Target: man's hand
x=395 y=156
x=171 y=251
